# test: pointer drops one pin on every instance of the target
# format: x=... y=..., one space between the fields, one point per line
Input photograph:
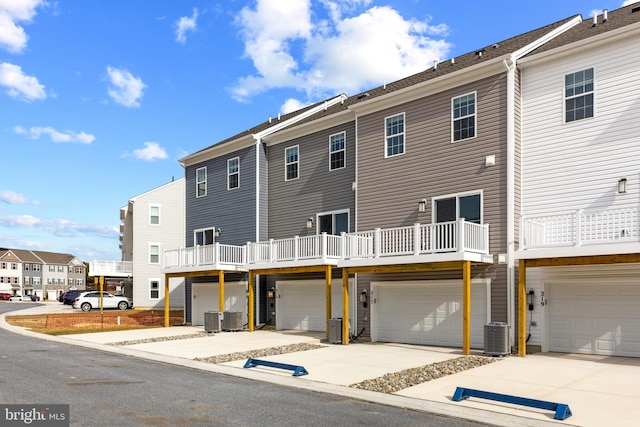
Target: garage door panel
x=428 y=314
x=594 y=318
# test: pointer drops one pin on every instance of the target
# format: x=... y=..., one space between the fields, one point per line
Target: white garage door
x=428 y=313
x=300 y=305
x=205 y=298
x=592 y=318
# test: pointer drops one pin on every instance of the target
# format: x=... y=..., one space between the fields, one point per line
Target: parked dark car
x=4 y=296
x=34 y=297
x=68 y=297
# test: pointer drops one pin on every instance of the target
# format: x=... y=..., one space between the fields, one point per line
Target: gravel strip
x=160 y=339
x=396 y=381
x=272 y=351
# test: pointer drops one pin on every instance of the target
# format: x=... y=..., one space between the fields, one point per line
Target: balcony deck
x=584 y=232
x=419 y=243
x=110 y=268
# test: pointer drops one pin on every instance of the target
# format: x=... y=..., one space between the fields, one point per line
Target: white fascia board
x=337 y=119
x=546 y=38
x=625 y=32
x=433 y=86
x=340 y=98
x=218 y=150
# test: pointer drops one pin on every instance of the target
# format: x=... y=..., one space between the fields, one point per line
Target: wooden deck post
x=466 y=307
x=166 y=301
x=345 y=307
x=327 y=274
x=221 y=290
x=522 y=309
x=251 y=303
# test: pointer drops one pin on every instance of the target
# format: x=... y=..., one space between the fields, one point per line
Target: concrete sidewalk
x=599 y=390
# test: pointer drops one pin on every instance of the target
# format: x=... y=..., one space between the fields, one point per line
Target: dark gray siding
x=233 y=211
x=264 y=206
x=316 y=190
x=389 y=189
x=517 y=159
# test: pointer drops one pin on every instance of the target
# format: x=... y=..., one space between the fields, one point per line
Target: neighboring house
x=45 y=274
x=150 y=223
x=579 y=248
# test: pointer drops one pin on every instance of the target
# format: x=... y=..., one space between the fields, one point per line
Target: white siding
x=569 y=166
x=169 y=234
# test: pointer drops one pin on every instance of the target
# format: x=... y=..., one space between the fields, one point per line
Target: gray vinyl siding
x=233 y=211
x=316 y=190
x=389 y=189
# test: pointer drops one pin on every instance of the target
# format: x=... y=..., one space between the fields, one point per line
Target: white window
x=337 y=151
x=201 y=182
x=394 y=135
x=26 y=267
x=233 y=173
x=291 y=160
x=453 y=207
x=154 y=254
x=79 y=282
x=154 y=215
x=52 y=268
x=61 y=269
x=36 y=280
x=14 y=266
x=154 y=289
x=333 y=222
x=463 y=114
x=4 y=265
x=36 y=267
x=205 y=236
x=578 y=95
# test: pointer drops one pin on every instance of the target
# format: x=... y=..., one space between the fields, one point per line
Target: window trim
x=343 y=150
x=202 y=230
x=333 y=213
x=457 y=197
x=403 y=134
x=151 y=206
x=297 y=163
x=198 y=195
x=152 y=245
x=229 y=173
x=157 y=281
x=474 y=115
x=565 y=98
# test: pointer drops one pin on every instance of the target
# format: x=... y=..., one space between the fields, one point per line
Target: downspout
x=510 y=64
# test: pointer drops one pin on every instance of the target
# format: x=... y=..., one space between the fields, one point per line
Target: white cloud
x=151 y=151
x=58 y=227
x=14 y=198
x=628 y=2
x=291 y=105
x=185 y=24
x=126 y=89
x=19 y=85
x=56 y=136
x=12 y=36
x=351 y=51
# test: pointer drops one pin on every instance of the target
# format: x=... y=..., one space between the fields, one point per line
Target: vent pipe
x=453 y=61
x=278 y=116
x=435 y=65
x=595 y=19
x=269 y=119
x=605 y=16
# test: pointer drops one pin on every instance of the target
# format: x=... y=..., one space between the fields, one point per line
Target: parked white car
x=89 y=300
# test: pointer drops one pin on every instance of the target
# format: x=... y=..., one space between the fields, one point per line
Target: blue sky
x=100 y=99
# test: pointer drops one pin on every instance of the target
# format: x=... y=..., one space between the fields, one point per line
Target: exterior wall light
x=422 y=206
x=218 y=232
x=310 y=222
x=622 y=186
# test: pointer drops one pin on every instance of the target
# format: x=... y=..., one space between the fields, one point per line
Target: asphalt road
x=105 y=389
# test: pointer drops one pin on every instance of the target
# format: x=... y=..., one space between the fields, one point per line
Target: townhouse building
x=149 y=223
x=392 y=190
x=580 y=243
x=45 y=274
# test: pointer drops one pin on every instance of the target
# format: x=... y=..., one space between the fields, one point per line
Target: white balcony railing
x=580 y=228
x=417 y=239
x=110 y=268
x=215 y=256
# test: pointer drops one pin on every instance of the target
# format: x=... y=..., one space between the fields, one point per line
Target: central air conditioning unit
x=232 y=321
x=212 y=321
x=335 y=330
x=496 y=339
